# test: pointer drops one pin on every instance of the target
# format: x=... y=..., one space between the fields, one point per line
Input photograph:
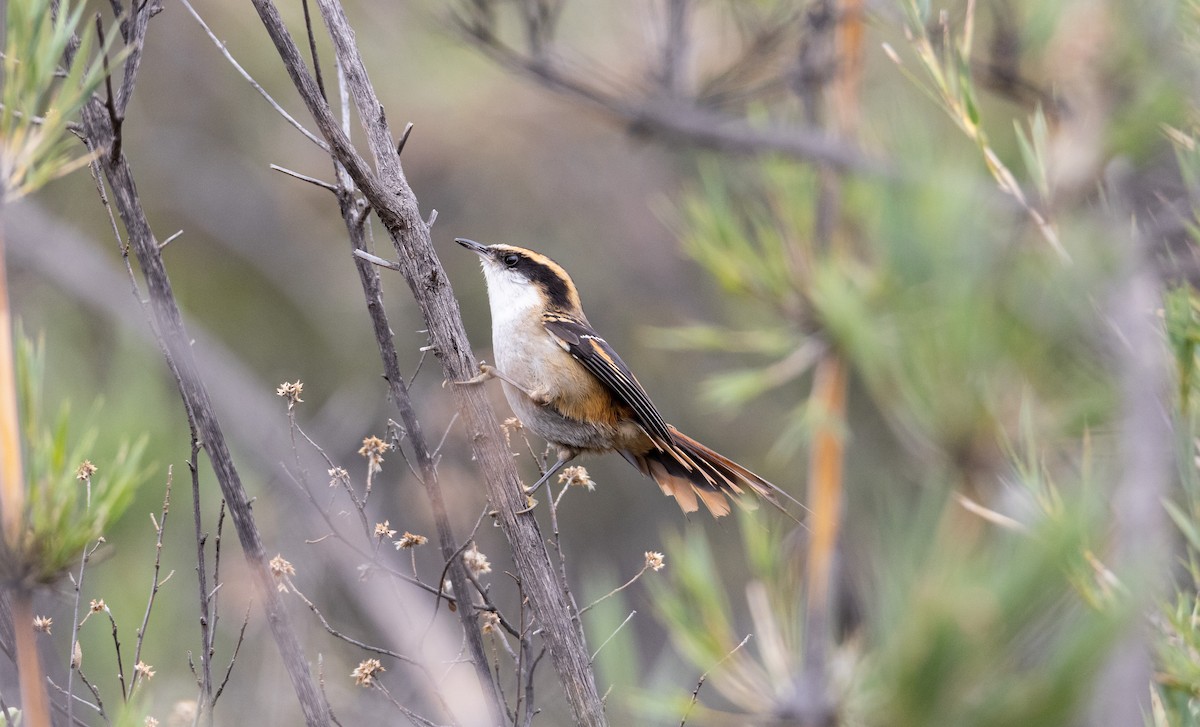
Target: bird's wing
x=588 y=348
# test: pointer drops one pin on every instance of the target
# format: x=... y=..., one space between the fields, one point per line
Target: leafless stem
x=704 y=676
x=204 y=705
x=159 y=528
x=411 y=715
x=78 y=583
x=615 y=591
x=95 y=695
x=237 y=648
x=73 y=698
x=117 y=647
x=304 y=178
x=613 y=634
x=244 y=74
x=678 y=120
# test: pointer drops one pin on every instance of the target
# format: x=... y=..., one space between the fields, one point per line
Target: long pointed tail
x=692 y=473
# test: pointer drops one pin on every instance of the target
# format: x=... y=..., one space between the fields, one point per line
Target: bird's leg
x=487 y=372
x=564 y=456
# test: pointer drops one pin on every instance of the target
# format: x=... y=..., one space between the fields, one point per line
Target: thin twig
x=305 y=178
x=348 y=639
x=170 y=239
x=204 y=706
x=159 y=527
x=416 y=718
x=115 y=120
x=75 y=698
x=237 y=648
x=117 y=647
x=704 y=676
x=75 y=623
x=613 y=634
x=95 y=694
x=262 y=91
x=616 y=590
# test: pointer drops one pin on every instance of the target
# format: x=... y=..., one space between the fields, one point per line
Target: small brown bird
x=568 y=386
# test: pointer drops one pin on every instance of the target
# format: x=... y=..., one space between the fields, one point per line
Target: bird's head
x=519 y=279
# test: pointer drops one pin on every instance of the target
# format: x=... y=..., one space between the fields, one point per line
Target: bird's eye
x=512 y=259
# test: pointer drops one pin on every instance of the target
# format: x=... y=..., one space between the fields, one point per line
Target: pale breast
x=581 y=412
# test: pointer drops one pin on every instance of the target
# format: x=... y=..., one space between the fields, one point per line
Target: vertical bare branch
x=396 y=206
x=181 y=361
x=204 y=703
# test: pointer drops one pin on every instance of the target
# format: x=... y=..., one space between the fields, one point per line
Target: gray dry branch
x=101 y=121
x=393 y=201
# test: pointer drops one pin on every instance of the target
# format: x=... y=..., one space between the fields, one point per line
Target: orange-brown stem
x=825 y=477
x=12 y=480
x=35 y=709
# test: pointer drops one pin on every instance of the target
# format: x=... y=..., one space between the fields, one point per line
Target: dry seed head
x=291 y=392
x=144 y=670
x=384 y=530
x=409 y=540
x=364 y=674
x=281 y=570
x=510 y=425
x=476 y=561
x=84 y=472
x=654 y=560
x=576 y=477
x=491 y=622
x=42 y=623
x=97 y=605
x=338 y=476
x=373 y=448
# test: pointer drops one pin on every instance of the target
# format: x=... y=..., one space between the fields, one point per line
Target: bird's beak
x=473 y=246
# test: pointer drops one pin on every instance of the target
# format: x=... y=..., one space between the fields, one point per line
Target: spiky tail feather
x=692 y=473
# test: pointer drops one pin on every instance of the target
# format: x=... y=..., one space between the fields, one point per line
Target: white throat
x=510 y=297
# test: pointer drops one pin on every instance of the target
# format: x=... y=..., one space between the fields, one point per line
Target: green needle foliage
x=75 y=492
x=40 y=96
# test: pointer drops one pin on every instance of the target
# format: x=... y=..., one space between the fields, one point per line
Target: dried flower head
x=144 y=670
x=373 y=448
x=97 y=605
x=476 y=561
x=291 y=392
x=491 y=622
x=282 y=571
x=654 y=560
x=85 y=470
x=42 y=623
x=576 y=477
x=384 y=530
x=409 y=540
x=364 y=673
x=338 y=477
x=510 y=425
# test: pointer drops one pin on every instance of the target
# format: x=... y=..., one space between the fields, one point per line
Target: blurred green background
x=980 y=362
